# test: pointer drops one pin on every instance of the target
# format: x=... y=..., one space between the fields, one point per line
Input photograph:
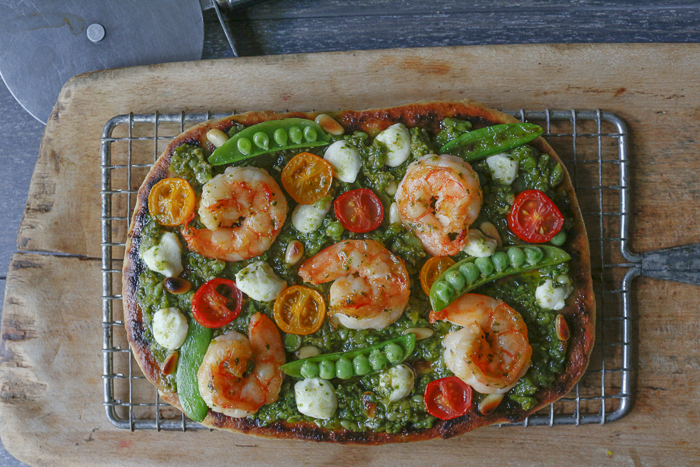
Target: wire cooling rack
x=592 y=144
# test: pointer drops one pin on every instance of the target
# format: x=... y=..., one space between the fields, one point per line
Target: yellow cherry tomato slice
x=432 y=269
x=171 y=201
x=299 y=310
x=307 y=178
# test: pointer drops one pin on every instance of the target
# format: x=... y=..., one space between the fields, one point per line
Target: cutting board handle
x=678 y=264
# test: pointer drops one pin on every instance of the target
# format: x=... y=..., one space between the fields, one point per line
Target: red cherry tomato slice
x=534 y=217
x=359 y=210
x=217 y=303
x=448 y=398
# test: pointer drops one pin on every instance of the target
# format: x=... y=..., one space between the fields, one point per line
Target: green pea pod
x=407 y=343
x=191 y=356
x=271 y=136
x=470 y=273
x=483 y=142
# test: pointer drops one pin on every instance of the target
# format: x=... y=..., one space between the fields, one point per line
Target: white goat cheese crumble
x=553 y=298
x=503 y=168
x=307 y=218
x=397 y=140
x=169 y=328
x=259 y=281
x=345 y=159
x=479 y=245
x=165 y=256
x=397 y=382
x=316 y=398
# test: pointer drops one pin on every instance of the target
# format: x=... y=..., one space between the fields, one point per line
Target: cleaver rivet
x=95 y=32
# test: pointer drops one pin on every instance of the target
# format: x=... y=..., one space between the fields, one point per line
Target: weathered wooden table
x=50 y=372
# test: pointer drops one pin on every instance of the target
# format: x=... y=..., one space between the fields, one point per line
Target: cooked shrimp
x=226 y=383
x=491 y=352
x=370 y=288
x=243 y=211
x=438 y=198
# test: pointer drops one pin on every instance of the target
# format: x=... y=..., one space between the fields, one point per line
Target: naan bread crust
x=580 y=310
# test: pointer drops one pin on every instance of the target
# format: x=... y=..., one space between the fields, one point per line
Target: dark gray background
x=288 y=26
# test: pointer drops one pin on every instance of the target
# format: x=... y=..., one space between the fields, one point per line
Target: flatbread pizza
x=373 y=276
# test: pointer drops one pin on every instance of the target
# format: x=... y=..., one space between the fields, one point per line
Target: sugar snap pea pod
x=483 y=142
x=191 y=355
x=471 y=272
x=271 y=136
x=397 y=350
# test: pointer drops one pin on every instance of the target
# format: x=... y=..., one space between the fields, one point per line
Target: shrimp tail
x=437 y=316
x=186 y=230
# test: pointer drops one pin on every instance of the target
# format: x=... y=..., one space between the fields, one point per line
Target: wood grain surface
x=281 y=26
x=50 y=360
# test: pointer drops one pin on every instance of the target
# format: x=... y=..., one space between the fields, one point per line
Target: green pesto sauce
x=152 y=297
x=360 y=405
x=189 y=162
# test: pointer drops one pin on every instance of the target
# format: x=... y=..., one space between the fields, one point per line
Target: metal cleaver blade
x=44 y=43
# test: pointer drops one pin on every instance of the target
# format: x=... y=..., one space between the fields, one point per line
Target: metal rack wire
x=592 y=144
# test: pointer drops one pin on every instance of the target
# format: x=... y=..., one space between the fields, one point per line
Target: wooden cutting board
x=51 y=360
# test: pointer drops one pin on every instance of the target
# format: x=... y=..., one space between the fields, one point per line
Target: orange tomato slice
x=307 y=178
x=432 y=269
x=299 y=310
x=171 y=201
